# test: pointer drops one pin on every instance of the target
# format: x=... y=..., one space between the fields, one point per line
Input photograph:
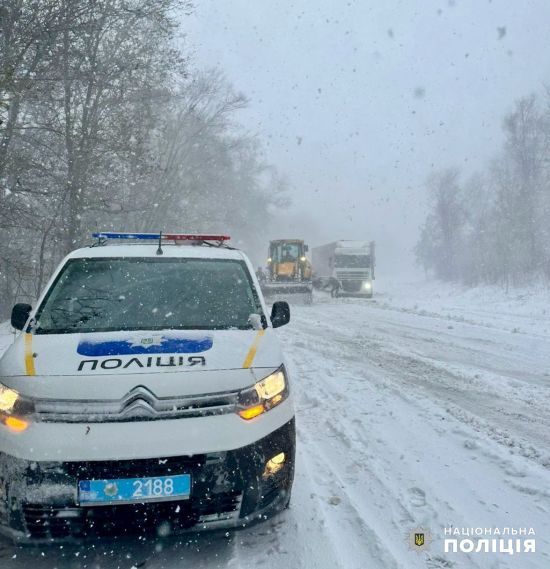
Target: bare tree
x=505 y=236
x=103 y=127
x=439 y=247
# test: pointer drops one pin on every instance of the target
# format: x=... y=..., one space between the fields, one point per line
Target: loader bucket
x=293 y=293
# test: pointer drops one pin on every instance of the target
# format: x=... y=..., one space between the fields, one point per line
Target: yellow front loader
x=288 y=271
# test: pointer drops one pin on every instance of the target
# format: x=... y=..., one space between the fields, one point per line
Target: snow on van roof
x=150 y=250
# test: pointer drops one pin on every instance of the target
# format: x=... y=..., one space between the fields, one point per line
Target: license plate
x=131 y=490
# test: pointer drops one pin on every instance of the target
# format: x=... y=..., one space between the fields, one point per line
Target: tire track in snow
x=340 y=449
x=500 y=418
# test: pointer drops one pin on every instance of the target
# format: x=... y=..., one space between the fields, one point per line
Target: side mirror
x=280 y=314
x=306 y=248
x=19 y=315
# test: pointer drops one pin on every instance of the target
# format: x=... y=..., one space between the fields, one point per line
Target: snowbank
x=518 y=310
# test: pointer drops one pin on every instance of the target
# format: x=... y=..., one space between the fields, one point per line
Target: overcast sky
x=356 y=100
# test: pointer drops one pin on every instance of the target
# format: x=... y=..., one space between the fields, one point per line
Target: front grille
x=352 y=276
x=139 y=404
x=218 y=506
x=270 y=490
x=44 y=522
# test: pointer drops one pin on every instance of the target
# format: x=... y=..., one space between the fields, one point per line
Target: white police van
x=146 y=390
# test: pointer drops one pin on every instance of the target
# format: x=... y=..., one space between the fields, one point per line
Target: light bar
x=163 y=236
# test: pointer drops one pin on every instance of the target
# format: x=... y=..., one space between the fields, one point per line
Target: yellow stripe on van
x=253 y=349
x=29 y=358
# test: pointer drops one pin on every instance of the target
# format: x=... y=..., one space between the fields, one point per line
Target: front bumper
x=39 y=500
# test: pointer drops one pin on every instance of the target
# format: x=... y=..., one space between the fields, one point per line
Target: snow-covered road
x=407 y=418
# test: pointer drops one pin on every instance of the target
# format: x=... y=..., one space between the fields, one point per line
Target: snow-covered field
x=427 y=406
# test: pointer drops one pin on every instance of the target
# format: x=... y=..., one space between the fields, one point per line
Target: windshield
x=285 y=252
x=98 y=295
x=353 y=261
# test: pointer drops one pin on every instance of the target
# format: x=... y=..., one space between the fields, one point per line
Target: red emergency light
x=194 y=237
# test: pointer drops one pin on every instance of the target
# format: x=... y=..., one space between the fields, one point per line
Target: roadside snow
x=518 y=309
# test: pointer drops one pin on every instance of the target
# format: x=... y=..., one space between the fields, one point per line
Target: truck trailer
x=346 y=265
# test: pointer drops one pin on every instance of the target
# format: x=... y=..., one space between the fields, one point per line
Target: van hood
x=134 y=358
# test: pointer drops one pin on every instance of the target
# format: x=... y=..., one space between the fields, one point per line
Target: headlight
x=367 y=285
x=263 y=396
x=8 y=398
x=303 y=259
x=12 y=408
x=269 y=261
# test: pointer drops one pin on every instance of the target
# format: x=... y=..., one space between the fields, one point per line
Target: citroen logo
x=139 y=402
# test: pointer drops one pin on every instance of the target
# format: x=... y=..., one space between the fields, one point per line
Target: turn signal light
x=16 y=424
x=252 y=412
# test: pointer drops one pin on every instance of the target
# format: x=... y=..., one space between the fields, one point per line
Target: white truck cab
x=347 y=266
x=146 y=388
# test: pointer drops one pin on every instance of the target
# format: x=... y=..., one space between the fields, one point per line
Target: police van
x=146 y=391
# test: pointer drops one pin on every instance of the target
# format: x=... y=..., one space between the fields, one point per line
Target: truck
x=288 y=271
x=345 y=266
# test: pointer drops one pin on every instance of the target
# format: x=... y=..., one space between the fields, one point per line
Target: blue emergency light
x=113 y=235
x=160 y=236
